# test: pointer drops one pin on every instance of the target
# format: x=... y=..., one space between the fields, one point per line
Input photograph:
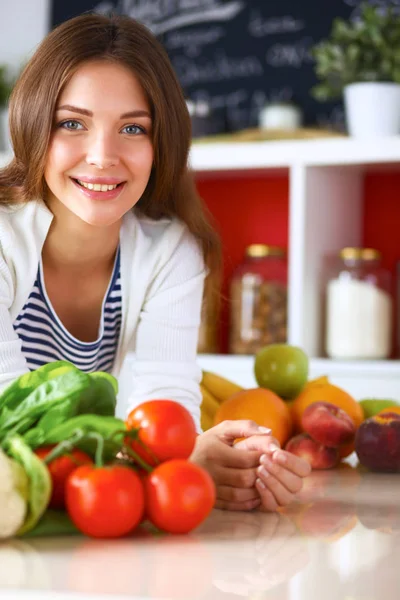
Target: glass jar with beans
x=258 y=300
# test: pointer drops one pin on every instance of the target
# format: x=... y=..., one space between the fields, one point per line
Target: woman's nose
x=102 y=152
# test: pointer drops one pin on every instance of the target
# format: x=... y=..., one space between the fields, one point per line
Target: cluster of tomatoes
x=168 y=490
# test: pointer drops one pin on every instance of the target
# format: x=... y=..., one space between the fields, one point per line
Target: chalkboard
x=237 y=55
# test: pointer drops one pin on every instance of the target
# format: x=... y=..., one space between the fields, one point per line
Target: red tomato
x=179 y=496
x=60 y=468
x=166 y=427
x=105 y=502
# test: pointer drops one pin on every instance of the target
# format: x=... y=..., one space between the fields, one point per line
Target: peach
x=377 y=443
x=328 y=424
x=317 y=455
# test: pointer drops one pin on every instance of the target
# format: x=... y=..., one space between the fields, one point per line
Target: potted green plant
x=361 y=62
x=5 y=91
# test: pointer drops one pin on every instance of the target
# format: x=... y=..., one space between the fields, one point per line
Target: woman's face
x=100 y=154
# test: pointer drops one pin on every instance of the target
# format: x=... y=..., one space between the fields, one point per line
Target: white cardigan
x=162 y=278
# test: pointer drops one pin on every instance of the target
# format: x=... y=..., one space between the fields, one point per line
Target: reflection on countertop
x=341 y=539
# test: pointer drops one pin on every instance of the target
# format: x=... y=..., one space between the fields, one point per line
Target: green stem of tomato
x=124 y=433
x=133 y=434
x=149 y=451
x=98 y=457
x=65 y=446
x=137 y=458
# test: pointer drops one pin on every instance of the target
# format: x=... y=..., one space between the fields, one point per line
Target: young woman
x=104 y=244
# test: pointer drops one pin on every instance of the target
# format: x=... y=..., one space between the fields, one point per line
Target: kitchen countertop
x=340 y=540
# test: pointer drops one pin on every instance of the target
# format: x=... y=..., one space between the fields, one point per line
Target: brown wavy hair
x=171 y=190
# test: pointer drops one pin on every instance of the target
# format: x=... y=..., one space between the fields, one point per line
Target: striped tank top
x=45 y=339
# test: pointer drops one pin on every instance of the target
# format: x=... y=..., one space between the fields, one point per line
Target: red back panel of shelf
x=382 y=224
x=382 y=215
x=247 y=209
x=254 y=208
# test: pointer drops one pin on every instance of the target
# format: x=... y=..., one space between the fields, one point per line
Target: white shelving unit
x=325 y=214
x=332 y=152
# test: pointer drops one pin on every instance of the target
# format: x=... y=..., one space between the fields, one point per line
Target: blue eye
x=133 y=129
x=71 y=125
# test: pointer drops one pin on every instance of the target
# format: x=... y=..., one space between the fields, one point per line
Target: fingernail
x=261 y=484
x=263 y=472
x=280 y=457
x=264 y=458
x=264 y=430
x=273 y=447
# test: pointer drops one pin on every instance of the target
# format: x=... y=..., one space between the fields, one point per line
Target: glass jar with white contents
x=359 y=307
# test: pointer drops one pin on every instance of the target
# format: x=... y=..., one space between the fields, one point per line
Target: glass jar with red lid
x=258 y=300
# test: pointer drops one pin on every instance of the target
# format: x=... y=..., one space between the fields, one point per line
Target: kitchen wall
x=23 y=24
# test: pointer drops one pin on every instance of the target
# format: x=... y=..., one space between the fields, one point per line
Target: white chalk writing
x=165 y=15
x=290 y=55
x=217 y=68
x=192 y=41
x=259 y=27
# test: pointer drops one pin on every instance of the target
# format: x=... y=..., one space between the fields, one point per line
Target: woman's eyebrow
x=89 y=113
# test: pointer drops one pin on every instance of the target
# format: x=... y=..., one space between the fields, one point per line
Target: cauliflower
x=14 y=494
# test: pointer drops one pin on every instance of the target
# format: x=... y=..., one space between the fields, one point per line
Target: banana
x=215 y=390
x=206 y=421
x=220 y=388
x=210 y=404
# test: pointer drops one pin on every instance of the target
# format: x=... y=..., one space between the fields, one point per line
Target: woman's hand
x=233 y=470
x=254 y=472
x=280 y=474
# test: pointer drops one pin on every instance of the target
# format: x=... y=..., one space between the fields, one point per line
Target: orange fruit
x=390 y=409
x=260 y=405
x=321 y=390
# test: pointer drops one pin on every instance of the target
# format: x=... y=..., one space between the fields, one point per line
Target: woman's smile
x=97 y=191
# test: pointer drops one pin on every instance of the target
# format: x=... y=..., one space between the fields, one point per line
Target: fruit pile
x=313 y=419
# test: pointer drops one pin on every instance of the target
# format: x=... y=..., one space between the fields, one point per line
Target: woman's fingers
x=292 y=482
x=262 y=443
x=229 y=431
x=268 y=501
x=238 y=478
x=282 y=484
x=234 y=468
x=227 y=456
x=234 y=494
x=245 y=506
x=230 y=497
x=293 y=463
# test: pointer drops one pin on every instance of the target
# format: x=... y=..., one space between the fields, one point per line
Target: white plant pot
x=372 y=109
